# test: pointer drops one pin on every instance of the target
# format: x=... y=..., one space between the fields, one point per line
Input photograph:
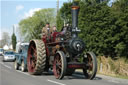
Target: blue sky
x=12 y=11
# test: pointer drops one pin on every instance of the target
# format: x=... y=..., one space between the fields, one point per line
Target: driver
x=46 y=31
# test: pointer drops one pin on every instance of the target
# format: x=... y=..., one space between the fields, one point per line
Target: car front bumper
x=8 y=59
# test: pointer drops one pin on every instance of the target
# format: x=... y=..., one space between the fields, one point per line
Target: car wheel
x=3 y=59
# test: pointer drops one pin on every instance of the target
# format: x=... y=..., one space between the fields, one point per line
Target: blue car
x=21 y=58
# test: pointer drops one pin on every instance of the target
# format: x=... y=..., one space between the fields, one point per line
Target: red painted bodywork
x=51 y=40
x=76 y=66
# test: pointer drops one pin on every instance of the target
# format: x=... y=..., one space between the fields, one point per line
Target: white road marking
x=25 y=73
x=55 y=82
x=114 y=81
x=1 y=63
x=5 y=65
x=22 y=72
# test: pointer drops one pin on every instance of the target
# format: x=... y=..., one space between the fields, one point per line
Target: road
x=9 y=76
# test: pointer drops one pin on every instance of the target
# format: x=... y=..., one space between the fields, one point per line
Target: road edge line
x=55 y=82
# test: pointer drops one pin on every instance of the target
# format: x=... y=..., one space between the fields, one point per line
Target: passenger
x=54 y=29
x=46 y=31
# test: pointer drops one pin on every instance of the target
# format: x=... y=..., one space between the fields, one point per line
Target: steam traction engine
x=62 y=52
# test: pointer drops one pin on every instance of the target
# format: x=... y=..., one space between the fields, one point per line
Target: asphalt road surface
x=9 y=76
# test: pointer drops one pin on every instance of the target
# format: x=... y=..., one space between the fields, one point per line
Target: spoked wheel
x=91 y=67
x=16 y=65
x=23 y=67
x=36 y=59
x=59 y=65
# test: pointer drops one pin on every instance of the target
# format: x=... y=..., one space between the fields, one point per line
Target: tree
x=2 y=43
x=31 y=27
x=14 y=41
x=5 y=38
x=64 y=14
x=104 y=29
x=120 y=9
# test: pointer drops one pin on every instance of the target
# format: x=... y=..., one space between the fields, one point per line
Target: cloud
x=31 y=12
x=19 y=7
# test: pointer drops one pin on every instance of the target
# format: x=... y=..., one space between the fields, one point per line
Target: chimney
x=75 y=11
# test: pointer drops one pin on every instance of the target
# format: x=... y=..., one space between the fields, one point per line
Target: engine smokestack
x=75 y=11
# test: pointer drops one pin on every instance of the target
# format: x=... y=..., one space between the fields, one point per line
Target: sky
x=12 y=11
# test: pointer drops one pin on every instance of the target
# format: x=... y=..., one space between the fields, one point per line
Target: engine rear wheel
x=36 y=59
x=91 y=68
x=59 y=65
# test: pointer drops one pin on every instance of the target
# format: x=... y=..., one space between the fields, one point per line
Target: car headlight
x=6 y=57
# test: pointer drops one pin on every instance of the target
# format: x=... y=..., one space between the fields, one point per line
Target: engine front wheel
x=36 y=59
x=91 y=67
x=59 y=65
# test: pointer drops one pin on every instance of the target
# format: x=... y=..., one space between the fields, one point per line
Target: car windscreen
x=26 y=47
x=1 y=50
x=9 y=53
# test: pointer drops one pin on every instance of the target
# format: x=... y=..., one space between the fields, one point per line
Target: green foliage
x=59 y=21
x=96 y=23
x=31 y=27
x=104 y=29
x=14 y=41
x=64 y=14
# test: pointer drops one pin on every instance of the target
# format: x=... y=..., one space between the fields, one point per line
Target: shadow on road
x=97 y=78
x=79 y=75
x=76 y=75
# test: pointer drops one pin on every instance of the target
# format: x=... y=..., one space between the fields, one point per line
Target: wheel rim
x=57 y=66
x=32 y=58
x=90 y=66
x=89 y=69
x=15 y=64
x=22 y=66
